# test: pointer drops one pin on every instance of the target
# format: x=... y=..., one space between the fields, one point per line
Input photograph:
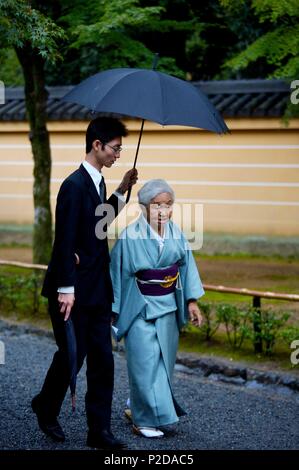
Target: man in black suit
x=78 y=283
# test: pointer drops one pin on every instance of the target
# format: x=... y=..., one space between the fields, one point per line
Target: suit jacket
x=75 y=232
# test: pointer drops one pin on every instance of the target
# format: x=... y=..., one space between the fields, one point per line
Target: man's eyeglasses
x=116 y=148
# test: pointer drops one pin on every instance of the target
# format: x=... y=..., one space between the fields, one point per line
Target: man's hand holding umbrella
x=129 y=179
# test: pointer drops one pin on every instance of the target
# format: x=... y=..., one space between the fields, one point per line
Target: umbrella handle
x=135 y=160
x=128 y=194
x=154 y=66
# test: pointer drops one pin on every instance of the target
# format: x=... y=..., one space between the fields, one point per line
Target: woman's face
x=159 y=210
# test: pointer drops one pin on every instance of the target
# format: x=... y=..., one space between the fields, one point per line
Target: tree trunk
x=36 y=102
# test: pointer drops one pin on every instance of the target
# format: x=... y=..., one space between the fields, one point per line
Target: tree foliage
x=106 y=34
x=22 y=24
x=35 y=39
x=11 y=70
x=210 y=39
x=278 y=45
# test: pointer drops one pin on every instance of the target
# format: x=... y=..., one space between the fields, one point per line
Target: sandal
x=147 y=431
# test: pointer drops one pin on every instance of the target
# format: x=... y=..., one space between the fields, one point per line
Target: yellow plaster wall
x=247 y=181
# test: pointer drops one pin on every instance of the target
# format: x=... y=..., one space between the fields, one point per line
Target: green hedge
x=264 y=325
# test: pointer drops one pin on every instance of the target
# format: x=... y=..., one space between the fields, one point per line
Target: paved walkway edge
x=235 y=373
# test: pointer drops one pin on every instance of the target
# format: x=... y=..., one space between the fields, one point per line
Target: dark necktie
x=102 y=189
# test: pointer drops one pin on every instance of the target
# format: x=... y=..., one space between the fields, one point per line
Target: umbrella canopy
x=147 y=94
x=72 y=357
x=150 y=95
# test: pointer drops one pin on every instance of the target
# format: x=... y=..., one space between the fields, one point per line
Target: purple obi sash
x=157 y=281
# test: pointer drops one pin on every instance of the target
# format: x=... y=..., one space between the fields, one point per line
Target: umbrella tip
x=73 y=403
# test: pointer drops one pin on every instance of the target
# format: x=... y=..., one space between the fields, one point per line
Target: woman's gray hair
x=151 y=189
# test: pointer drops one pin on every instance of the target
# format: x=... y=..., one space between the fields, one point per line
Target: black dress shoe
x=50 y=426
x=104 y=440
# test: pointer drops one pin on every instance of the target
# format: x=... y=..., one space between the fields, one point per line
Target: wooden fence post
x=257 y=320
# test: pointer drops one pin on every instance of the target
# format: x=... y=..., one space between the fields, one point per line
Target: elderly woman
x=156 y=285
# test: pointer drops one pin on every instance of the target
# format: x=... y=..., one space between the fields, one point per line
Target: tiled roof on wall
x=247 y=98
x=232 y=98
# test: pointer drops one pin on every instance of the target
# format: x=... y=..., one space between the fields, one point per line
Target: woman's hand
x=194 y=313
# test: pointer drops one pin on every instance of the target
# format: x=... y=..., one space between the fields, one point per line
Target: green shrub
x=270 y=323
x=236 y=323
x=20 y=294
x=289 y=334
x=210 y=322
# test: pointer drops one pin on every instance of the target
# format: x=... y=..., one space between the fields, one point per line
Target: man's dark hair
x=104 y=129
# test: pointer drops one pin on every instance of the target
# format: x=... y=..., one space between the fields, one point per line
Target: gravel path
x=221 y=416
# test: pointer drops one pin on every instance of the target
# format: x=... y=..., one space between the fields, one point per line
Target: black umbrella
x=72 y=357
x=147 y=94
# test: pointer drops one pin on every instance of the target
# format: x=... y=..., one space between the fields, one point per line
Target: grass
x=255 y=273
x=246 y=301
x=243 y=255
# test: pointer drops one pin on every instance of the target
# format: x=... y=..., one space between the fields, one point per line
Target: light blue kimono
x=150 y=324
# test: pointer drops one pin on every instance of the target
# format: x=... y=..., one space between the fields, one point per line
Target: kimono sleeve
x=190 y=277
x=116 y=274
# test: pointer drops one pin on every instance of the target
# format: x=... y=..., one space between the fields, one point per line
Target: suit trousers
x=93 y=334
